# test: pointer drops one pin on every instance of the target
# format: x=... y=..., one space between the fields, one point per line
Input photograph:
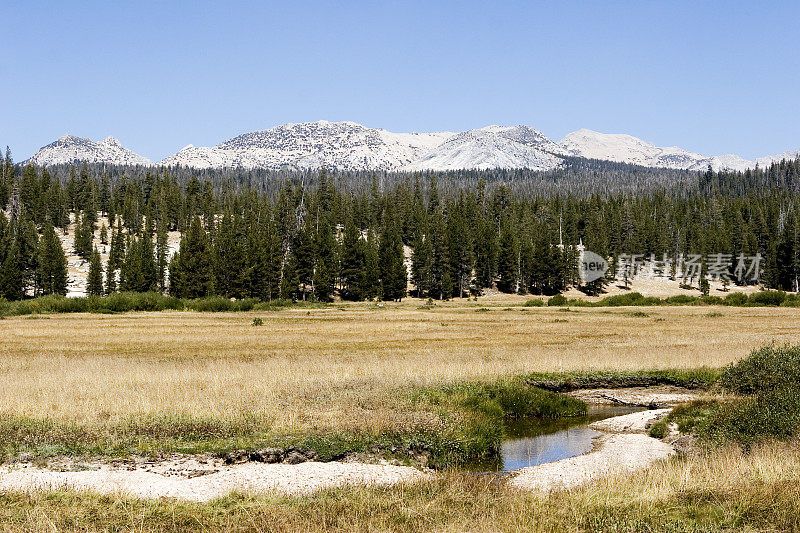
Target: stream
x=537 y=441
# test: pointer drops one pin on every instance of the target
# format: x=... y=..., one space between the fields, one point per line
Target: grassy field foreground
x=727 y=490
x=189 y=381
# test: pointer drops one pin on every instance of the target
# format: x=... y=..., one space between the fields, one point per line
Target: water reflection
x=534 y=442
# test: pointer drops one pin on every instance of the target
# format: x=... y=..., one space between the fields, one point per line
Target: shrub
x=631 y=298
x=133 y=301
x=770 y=414
x=737 y=299
x=681 y=299
x=792 y=300
x=258 y=322
x=534 y=302
x=711 y=300
x=215 y=304
x=770 y=368
x=766 y=298
x=558 y=299
x=658 y=430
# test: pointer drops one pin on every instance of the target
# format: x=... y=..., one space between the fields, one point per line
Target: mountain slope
x=768 y=160
x=71 y=149
x=335 y=145
x=493 y=147
x=629 y=149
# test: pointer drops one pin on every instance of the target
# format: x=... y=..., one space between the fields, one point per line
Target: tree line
x=321 y=240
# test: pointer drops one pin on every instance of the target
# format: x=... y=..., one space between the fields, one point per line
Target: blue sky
x=713 y=77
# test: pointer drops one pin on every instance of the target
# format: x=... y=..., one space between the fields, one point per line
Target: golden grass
x=349 y=366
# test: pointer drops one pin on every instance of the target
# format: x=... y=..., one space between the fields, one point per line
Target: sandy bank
x=624 y=448
x=164 y=481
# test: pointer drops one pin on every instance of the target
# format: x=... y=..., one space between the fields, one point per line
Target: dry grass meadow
x=353 y=367
x=349 y=366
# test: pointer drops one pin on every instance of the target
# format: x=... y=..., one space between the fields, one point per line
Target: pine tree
x=394 y=276
x=30 y=193
x=370 y=281
x=94 y=282
x=84 y=235
x=507 y=260
x=228 y=257
x=103 y=234
x=111 y=278
x=12 y=283
x=190 y=271
x=353 y=259
x=51 y=271
x=440 y=280
x=302 y=259
x=459 y=252
x=325 y=270
x=421 y=265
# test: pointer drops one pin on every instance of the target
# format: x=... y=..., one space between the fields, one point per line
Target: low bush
x=658 y=430
x=697 y=378
x=770 y=414
x=219 y=303
x=737 y=299
x=769 y=379
x=534 y=302
x=133 y=301
x=769 y=368
x=791 y=300
x=557 y=300
x=766 y=298
x=631 y=298
x=681 y=299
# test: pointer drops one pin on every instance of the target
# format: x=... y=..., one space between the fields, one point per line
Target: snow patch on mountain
x=70 y=149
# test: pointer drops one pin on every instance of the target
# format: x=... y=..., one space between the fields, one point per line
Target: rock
x=299 y=455
x=295 y=457
x=236 y=457
x=267 y=455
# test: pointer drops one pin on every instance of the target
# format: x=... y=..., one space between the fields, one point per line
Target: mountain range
x=351 y=146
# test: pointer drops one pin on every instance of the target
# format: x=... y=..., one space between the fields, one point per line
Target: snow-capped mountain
x=627 y=149
x=768 y=160
x=493 y=147
x=334 y=145
x=71 y=149
x=351 y=146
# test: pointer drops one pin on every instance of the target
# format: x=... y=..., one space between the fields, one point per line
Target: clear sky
x=712 y=77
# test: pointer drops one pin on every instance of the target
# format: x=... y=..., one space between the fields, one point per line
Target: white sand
x=252 y=478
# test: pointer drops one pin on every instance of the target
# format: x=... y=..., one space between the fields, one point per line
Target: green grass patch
x=697 y=378
x=469 y=430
